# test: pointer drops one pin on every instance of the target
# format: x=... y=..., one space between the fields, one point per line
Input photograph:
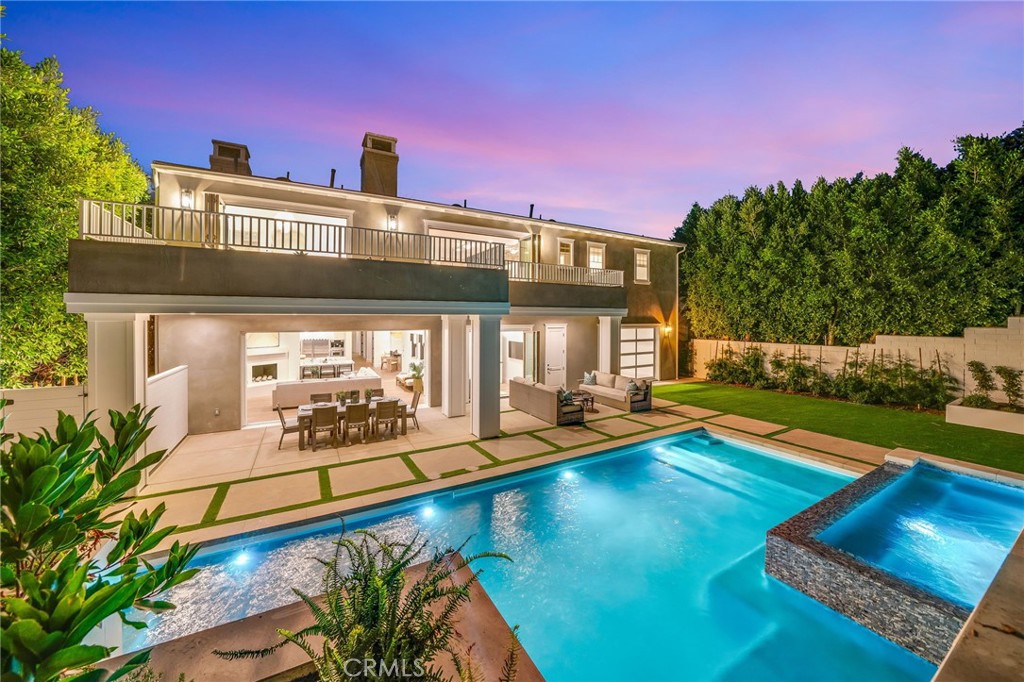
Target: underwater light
x=568 y=475
x=428 y=511
x=242 y=559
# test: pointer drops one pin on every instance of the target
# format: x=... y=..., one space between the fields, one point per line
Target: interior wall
x=581 y=343
x=213 y=346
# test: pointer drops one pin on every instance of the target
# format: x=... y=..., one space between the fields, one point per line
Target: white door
x=637 y=352
x=554 y=355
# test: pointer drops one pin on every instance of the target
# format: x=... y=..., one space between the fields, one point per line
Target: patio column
x=486 y=420
x=453 y=365
x=117 y=363
x=609 y=334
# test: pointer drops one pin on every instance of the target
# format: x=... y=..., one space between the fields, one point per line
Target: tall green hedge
x=927 y=250
x=53 y=154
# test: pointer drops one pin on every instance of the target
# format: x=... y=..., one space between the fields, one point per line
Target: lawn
x=881 y=426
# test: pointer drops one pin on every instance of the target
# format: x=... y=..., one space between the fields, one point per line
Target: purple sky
x=615 y=115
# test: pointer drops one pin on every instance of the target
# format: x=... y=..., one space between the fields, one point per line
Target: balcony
x=145 y=224
x=548 y=273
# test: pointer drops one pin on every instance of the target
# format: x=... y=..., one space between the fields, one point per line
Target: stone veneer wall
x=991 y=345
x=907 y=615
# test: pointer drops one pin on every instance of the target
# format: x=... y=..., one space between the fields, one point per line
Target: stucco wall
x=991 y=345
x=213 y=346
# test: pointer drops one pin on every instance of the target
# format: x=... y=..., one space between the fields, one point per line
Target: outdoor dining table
x=306 y=415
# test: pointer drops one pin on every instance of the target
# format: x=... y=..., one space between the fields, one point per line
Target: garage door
x=637 y=352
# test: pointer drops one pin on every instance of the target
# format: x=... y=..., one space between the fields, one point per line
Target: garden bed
x=1008 y=420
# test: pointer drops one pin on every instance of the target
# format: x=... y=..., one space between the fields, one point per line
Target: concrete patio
x=223 y=484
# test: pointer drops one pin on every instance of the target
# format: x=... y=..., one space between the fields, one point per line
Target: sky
x=616 y=115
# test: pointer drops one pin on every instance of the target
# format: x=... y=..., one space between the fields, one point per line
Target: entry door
x=554 y=355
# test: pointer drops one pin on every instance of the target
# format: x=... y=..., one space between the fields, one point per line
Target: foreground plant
x=375 y=624
x=61 y=493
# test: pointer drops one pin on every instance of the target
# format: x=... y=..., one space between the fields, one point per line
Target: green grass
x=882 y=426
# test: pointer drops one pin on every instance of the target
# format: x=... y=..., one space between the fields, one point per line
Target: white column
x=453 y=365
x=117 y=362
x=486 y=421
x=608 y=342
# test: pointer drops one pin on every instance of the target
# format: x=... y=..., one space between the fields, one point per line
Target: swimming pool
x=939 y=530
x=645 y=563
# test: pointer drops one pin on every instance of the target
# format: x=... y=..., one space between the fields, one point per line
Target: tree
x=62 y=493
x=53 y=154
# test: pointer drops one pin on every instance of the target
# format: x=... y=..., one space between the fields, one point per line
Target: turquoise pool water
x=646 y=564
x=942 y=531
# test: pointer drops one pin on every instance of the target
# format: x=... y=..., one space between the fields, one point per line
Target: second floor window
x=641 y=265
x=595 y=256
x=565 y=252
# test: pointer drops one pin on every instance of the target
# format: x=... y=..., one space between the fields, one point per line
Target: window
x=637 y=352
x=595 y=255
x=641 y=266
x=565 y=252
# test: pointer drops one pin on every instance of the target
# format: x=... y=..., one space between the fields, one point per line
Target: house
x=257 y=282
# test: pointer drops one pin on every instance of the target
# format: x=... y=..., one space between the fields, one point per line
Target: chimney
x=379 y=165
x=230 y=157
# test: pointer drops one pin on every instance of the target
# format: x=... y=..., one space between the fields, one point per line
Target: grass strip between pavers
x=216 y=502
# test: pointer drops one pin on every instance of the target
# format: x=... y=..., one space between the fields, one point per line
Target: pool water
x=644 y=564
x=944 y=532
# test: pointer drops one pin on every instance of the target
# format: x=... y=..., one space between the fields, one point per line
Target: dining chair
x=376 y=392
x=410 y=412
x=327 y=372
x=325 y=420
x=387 y=416
x=308 y=373
x=357 y=416
x=287 y=425
x=320 y=397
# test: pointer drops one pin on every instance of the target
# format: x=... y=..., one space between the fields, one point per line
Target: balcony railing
x=522 y=271
x=144 y=224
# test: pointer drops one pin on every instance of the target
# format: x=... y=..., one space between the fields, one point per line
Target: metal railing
x=140 y=223
x=523 y=271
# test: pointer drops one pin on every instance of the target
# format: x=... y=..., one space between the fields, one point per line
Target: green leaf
x=31 y=517
x=77 y=656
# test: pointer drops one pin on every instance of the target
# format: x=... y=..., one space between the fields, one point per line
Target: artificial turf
x=882 y=426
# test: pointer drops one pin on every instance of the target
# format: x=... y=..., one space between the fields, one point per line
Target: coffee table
x=585 y=399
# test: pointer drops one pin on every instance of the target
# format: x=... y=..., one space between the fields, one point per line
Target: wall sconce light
x=187 y=199
x=392 y=222
x=666 y=330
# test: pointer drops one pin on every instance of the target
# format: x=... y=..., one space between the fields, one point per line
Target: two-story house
x=256 y=281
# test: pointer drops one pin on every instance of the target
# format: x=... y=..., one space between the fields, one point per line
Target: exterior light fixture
x=187 y=199
x=392 y=222
x=666 y=330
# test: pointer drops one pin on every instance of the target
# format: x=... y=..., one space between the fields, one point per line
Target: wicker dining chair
x=325 y=420
x=320 y=397
x=287 y=425
x=387 y=416
x=410 y=412
x=357 y=416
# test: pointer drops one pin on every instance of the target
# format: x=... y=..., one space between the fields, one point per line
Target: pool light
x=568 y=475
x=242 y=558
x=428 y=511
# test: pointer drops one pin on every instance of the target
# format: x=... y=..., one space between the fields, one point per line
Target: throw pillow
x=590 y=378
x=565 y=397
x=632 y=387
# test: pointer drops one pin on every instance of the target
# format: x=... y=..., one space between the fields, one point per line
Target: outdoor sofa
x=611 y=390
x=543 y=402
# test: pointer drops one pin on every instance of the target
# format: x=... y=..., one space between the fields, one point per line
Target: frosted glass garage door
x=637 y=352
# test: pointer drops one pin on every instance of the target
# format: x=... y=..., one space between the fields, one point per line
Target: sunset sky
x=614 y=115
